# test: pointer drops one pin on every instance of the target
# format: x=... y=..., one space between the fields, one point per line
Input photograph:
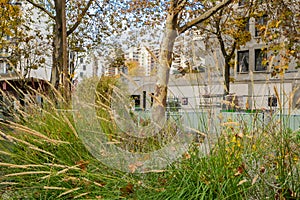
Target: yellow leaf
x=278 y=23
x=254 y=179
x=133 y=167
x=240 y=135
x=186 y=156
x=241 y=182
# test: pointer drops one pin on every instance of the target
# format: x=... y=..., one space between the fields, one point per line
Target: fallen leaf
x=240 y=169
x=236 y=174
x=82 y=164
x=241 y=182
x=240 y=135
x=127 y=189
x=254 y=179
x=133 y=167
x=186 y=156
x=262 y=169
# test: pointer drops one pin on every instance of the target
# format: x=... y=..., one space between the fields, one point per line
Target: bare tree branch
x=204 y=16
x=50 y=3
x=80 y=17
x=41 y=8
x=180 y=5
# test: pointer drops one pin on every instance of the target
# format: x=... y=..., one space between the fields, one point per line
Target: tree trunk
x=165 y=60
x=163 y=70
x=226 y=77
x=60 y=71
x=55 y=78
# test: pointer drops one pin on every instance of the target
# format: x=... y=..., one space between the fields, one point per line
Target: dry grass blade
x=11 y=138
x=230 y=124
x=67 y=169
x=5 y=153
x=81 y=195
x=67 y=192
x=70 y=126
x=6 y=137
x=56 y=165
x=54 y=188
x=33 y=132
x=63 y=171
x=8 y=183
x=19 y=166
x=27 y=173
x=196 y=131
x=41 y=150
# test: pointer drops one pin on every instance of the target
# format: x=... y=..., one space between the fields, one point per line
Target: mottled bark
x=226 y=77
x=172 y=30
x=163 y=70
x=60 y=71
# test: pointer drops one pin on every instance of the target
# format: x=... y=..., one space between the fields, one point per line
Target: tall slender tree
x=229 y=27
x=181 y=15
x=60 y=75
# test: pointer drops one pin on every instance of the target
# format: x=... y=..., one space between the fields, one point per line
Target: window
x=152 y=95
x=260 y=22
x=244 y=25
x=184 y=101
x=247 y=24
x=15 y=2
x=84 y=67
x=272 y=101
x=144 y=99
x=260 y=60
x=71 y=54
x=3 y=66
x=137 y=100
x=81 y=74
x=242 y=2
x=173 y=104
x=243 y=61
x=81 y=60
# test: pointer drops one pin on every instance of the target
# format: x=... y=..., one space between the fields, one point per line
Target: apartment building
x=145 y=56
x=17 y=65
x=254 y=87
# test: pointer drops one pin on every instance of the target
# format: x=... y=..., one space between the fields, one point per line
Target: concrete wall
x=202 y=94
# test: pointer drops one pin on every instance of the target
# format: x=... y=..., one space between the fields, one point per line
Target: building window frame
x=242 y=2
x=81 y=74
x=136 y=98
x=259 y=22
x=184 y=101
x=243 y=61
x=260 y=60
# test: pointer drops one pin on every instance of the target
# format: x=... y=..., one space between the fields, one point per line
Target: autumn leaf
x=240 y=170
x=82 y=164
x=133 y=167
x=128 y=189
x=254 y=179
x=242 y=182
x=186 y=156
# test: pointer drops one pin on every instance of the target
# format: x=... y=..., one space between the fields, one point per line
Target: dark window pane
x=184 y=101
x=243 y=61
x=260 y=23
x=137 y=100
x=242 y=2
x=260 y=60
x=4 y=66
